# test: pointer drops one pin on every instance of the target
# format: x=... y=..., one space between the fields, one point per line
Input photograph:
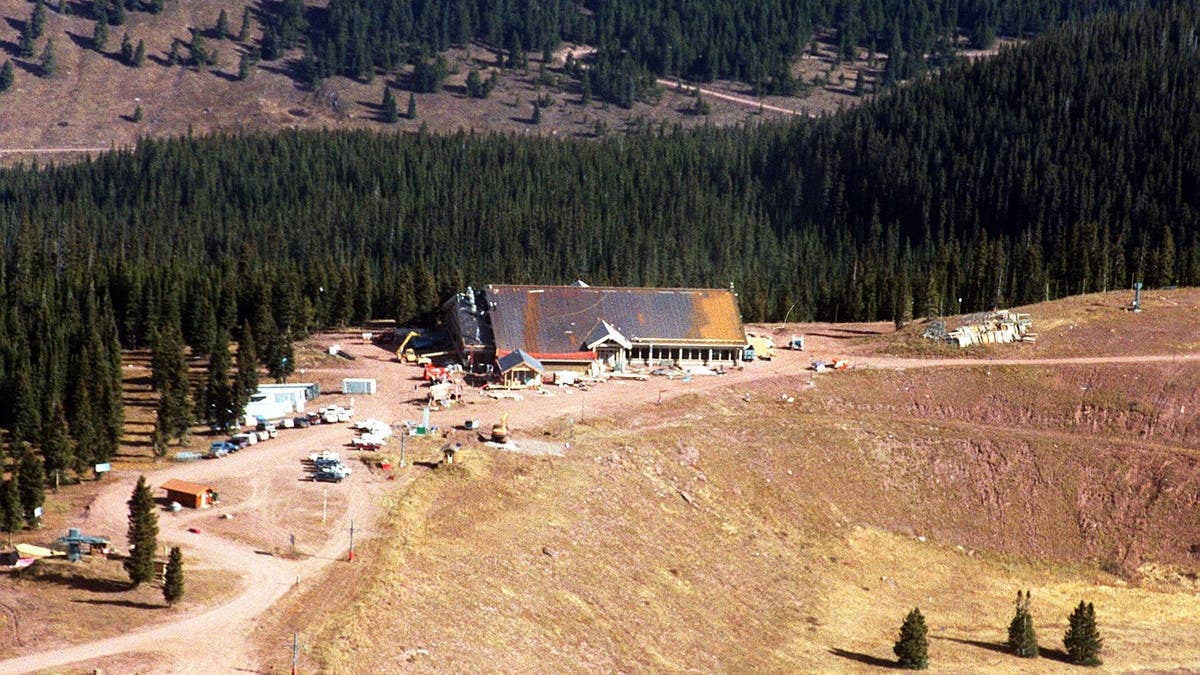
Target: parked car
x=301 y=422
x=328 y=477
x=238 y=442
x=218 y=449
x=249 y=437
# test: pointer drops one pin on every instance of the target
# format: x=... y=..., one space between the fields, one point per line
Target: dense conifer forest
x=1067 y=165
x=748 y=40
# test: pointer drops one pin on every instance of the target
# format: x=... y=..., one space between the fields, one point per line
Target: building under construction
x=589 y=329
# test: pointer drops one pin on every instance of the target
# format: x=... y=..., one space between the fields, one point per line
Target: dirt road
x=262 y=491
x=741 y=100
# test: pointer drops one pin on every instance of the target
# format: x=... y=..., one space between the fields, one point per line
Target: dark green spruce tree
x=56 y=445
x=31 y=479
x=173 y=579
x=143 y=534
x=1022 y=639
x=391 y=114
x=170 y=378
x=100 y=34
x=1082 y=640
x=912 y=649
x=220 y=404
x=246 y=381
x=7 y=76
x=12 y=514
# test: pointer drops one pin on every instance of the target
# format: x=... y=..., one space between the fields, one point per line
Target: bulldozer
x=500 y=430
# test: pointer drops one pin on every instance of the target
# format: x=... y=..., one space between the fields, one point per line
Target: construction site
x=652 y=507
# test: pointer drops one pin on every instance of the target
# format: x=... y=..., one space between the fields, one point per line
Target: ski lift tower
x=1137 y=298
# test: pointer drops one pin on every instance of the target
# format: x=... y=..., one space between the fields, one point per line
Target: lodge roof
x=563 y=319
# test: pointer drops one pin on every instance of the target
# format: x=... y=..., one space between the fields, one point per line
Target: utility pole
x=351 y=558
x=403 y=439
x=295 y=651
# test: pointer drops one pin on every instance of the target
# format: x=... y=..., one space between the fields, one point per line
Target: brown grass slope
x=792 y=532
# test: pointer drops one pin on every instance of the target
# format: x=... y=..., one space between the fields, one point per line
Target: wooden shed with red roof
x=191 y=495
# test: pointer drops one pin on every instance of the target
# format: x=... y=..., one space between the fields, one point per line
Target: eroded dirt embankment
x=1155 y=402
x=1077 y=464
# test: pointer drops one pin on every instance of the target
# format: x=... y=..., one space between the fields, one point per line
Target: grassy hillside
x=793 y=531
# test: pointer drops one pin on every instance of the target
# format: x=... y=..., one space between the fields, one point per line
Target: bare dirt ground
x=477 y=523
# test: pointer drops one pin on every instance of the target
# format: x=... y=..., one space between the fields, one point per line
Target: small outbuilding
x=191 y=495
x=519 y=369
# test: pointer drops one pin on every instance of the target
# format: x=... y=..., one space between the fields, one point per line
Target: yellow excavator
x=410 y=355
x=500 y=431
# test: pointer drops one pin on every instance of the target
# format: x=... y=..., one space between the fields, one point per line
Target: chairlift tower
x=1137 y=297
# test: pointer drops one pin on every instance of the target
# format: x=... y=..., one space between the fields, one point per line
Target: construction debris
x=987 y=328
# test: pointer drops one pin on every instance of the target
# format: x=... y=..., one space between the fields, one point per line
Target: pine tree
x=1022 y=639
x=127 y=49
x=1082 y=640
x=281 y=361
x=222 y=27
x=25 y=43
x=246 y=382
x=245 y=65
x=173 y=579
x=198 y=50
x=139 y=54
x=169 y=376
x=116 y=13
x=173 y=54
x=143 y=534
x=49 y=63
x=219 y=394
x=390 y=114
x=31 y=479
x=12 y=514
x=100 y=34
x=912 y=649
x=56 y=445
x=244 y=32
x=412 y=107
x=37 y=20
x=7 y=75
x=536 y=117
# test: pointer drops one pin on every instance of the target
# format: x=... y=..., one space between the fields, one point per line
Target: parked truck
x=761 y=347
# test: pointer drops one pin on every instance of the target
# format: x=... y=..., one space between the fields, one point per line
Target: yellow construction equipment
x=500 y=431
x=407 y=355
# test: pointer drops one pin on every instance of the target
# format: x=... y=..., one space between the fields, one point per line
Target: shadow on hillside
x=122 y=603
x=15 y=24
x=376 y=110
x=9 y=48
x=289 y=68
x=30 y=67
x=990 y=646
x=81 y=583
x=1002 y=648
x=84 y=42
x=224 y=75
x=865 y=658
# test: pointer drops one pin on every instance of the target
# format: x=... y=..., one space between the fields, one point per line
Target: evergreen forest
x=1067 y=165
x=747 y=40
